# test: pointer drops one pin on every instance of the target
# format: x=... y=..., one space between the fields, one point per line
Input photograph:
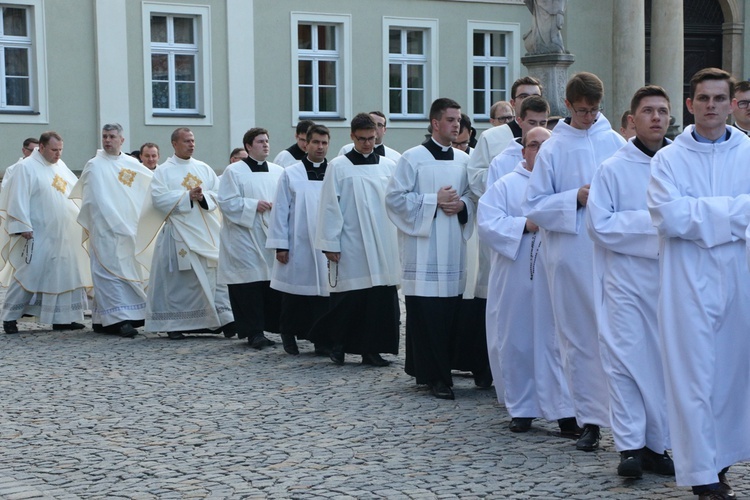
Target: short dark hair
x=30 y=140
x=318 y=129
x=624 y=118
x=711 y=74
x=178 y=131
x=303 y=126
x=525 y=80
x=642 y=93
x=535 y=103
x=251 y=134
x=148 y=145
x=586 y=86
x=741 y=86
x=380 y=114
x=235 y=152
x=362 y=121
x=46 y=136
x=440 y=105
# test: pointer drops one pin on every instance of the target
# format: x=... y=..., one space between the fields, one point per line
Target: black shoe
x=260 y=341
x=337 y=355
x=483 y=378
x=717 y=494
x=290 y=344
x=725 y=487
x=230 y=330
x=98 y=328
x=374 y=359
x=520 y=424
x=441 y=391
x=68 y=326
x=569 y=427
x=10 y=327
x=589 y=440
x=127 y=331
x=631 y=464
x=322 y=350
x=656 y=463
x=176 y=335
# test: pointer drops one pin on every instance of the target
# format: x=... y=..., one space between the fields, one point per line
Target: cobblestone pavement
x=86 y=415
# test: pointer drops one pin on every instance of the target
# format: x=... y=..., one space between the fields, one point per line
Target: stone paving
x=86 y=415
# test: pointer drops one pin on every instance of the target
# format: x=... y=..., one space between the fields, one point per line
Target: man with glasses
x=296 y=151
x=501 y=113
x=740 y=108
x=556 y=200
x=381 y=127
x=360 y=244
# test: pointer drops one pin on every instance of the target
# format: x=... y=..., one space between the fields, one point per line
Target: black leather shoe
x=10 y=327
x=175 y=335
x=725 y=487
x=658 y=464
x=374 y=359
x=322 y=350
x=230 y=330
x=589 y=440
x=631 y=464
x=719 y=494
x=260 y=341
x=520 y=424
x=569 y=428
x=127 y=331
x=290 y=344
x=337 y=355
x=68 y=326
x=483 y=378
x=441 y=391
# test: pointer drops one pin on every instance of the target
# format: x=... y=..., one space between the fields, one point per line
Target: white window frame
x=202 y=115
x=342 y=55
x=512 y=62
x=37 y=110
x=430 y=28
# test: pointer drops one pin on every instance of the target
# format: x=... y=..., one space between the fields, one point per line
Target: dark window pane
x=415 y=101
x=394 y=41
x=478 y=44
x=497 y=77
x=497 y=45
x=184 y=68
x=497 y=95
x=183 y=30
x=159 y=67
x=415 y=42
x=304 y=36
x=305 y=72
x=327 y=99
x=479 y=108
x=306 y=99
x=16 y=62
x=415 y=76
x=326 y=37
x=327 y=73
x=14 y=22
x=394 y=75
x=17 y=91
x=185 y=95
x=394 y=98
x=159 y=29
x=160 y=95
x=478 y=77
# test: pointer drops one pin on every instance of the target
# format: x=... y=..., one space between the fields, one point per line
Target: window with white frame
x=493 y=64
x=176 y=62
x=16 y=89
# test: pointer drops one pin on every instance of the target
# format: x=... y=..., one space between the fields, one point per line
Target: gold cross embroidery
x=59 y=183
x=126 y=177
x=182 y=252
x=191 y=182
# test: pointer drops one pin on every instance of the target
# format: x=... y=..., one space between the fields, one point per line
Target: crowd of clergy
x=597 y=280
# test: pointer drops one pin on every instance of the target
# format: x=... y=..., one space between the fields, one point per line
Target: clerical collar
x=358 y=158
x=315 y=171
x=296 y=151
x=746 y=132
x=705 y=140
x=637 y=143
x=379 y=150
x=255 y=165
x=438 y=151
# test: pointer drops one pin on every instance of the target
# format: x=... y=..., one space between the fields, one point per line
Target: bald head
x=532 y=141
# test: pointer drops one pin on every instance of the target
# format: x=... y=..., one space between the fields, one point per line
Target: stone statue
x=548 y=18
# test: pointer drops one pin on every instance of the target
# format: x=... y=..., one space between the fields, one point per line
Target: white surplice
x=626 y=292
x=112 y=190
x=352 y=220
x=699 y=200
x=521 y=339
x=292 y=227
x=565 y=163
x=505 y=162
x=183 y=294
x=491 y=143
x=49 y=273
x=243 y=257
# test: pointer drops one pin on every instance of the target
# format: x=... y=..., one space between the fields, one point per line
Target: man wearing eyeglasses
x=381 y=128
x=556 y=200
x=740 y=108
x=296 y=151
x=501 y=113
x=354 y=233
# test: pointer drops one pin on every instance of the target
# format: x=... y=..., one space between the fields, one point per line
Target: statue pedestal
x=552 y=71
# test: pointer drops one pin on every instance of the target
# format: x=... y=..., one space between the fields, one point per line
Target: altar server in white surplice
x=626 y=291
x=529 y=366
x=556 y=201
x=699 y=199
x=246 y=199
x=183 y=296
x=48 y=265
x=381 y=149
x=428 y=199
x=299 y=271
x=112 y=190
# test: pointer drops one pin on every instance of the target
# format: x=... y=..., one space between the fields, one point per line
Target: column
x=628 y=51
x=667 y=51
